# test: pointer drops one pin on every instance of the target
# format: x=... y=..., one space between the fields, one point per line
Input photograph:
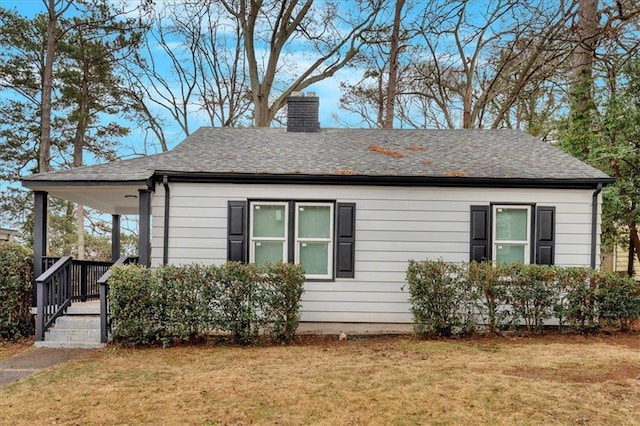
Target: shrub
x=618 y=299
x=133 y=305
x=575 y=299
x=283 y=288
x=184 y=303
x=491 y=290
x=439 y=298
x=16 y=291
x=530 y=294
x=238 y=301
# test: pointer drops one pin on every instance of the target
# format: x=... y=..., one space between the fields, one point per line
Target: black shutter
x=480 y=248
x=237 y=231
x=545 y=235
x=345 y=240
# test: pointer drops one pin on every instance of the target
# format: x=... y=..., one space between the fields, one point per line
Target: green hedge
x=16 y=284
x=169 y=304
x=448 y=298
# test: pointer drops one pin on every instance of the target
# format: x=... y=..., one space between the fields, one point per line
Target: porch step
x=73 y=331
x=84 y=308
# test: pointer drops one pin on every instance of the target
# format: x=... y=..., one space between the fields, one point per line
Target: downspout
x=165 y=242
x=594 y=224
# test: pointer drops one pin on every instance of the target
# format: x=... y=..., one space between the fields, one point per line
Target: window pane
x=511 y=224
x=314 y=221
x=268 y=251
x=268 y=221
x=314 y=258
x=510 y=253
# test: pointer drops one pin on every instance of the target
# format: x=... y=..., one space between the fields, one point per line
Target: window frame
x=528 y=244
x=291 y=229
x=330 y=240
x=252 y=239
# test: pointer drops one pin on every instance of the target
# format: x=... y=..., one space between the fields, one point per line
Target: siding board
x=393 y=225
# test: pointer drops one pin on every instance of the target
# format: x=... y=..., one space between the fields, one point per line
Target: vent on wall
x=302 y=112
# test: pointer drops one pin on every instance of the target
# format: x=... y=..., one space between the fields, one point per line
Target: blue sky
x=328 y=90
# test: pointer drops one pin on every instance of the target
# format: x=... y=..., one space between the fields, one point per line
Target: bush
x=172 y=303
x=16 y=291
x=133 y=306
x=575 y=298
x=490 y=286
x=283 y=288
x=239 y=301
x=530 y=294
x=618 y=299
x=439 y=298
x=442 y=295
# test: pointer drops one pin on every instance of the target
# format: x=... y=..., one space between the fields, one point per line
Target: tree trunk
x=78 y=142
x=630 y=258
x=466 y=107
x=47 y=86
x=635 y=238
x=392 y=84
x=587 y=29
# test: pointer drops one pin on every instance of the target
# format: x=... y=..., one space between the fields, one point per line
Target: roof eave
x=380 y=180
x=41 y=183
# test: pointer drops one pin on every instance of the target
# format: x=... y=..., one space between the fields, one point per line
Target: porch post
x=41 y=206
x=115 y=237
x=144 y=233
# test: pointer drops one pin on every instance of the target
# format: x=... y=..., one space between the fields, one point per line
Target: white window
x=314 y=238
x=268 y=233
x=309 y=234
x=511 y=234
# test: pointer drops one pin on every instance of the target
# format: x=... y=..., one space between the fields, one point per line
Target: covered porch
x=74 y=287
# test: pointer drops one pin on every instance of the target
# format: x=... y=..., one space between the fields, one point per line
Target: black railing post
x=104 y=314
x=83 y=282
x=41 y=304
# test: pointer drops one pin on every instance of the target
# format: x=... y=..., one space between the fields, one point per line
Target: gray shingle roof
x=498 y=154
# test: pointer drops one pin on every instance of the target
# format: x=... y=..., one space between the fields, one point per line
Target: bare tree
x=331 y=36
x=191 y=70
x=480 y=67
x=394 y=54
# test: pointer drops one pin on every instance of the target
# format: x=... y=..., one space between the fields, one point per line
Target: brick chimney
x=302 y=112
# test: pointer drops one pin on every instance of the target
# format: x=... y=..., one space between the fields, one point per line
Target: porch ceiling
x=114 y=199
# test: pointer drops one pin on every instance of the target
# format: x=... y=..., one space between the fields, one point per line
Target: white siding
x=393 y=225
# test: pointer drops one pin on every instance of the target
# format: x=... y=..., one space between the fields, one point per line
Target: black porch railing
x=84 y=277
x=103 y=282
x=53 y=294
x=64 y=281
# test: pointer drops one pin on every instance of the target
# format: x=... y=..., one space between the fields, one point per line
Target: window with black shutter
x=320 y=235
x=512 y=234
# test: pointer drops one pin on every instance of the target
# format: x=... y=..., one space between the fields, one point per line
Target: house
x=7 y=235
x=352 y=205
x=617 y=260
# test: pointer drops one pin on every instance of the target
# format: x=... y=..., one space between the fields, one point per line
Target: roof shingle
x=497 y=154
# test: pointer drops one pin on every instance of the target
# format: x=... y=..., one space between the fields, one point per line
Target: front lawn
x=552 y=379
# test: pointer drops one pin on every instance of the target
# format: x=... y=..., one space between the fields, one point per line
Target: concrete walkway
x=33 y=361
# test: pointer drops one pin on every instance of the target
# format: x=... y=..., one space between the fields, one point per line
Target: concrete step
x=70 y=345
x=78 y=322
x=73 y=331
x=72 y=335
x=84 y=308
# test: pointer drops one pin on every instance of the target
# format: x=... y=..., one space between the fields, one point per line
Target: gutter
x=594 y=224
x=382 y=180
x=165 y=241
